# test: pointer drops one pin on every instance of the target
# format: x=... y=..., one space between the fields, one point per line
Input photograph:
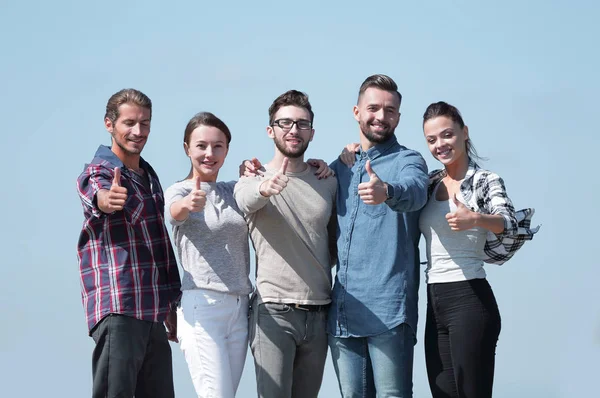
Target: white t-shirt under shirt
x=452 y=256
x=212 y=244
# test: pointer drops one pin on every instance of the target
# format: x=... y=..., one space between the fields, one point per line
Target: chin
x=135 y=151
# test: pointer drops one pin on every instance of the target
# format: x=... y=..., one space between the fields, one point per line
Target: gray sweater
x=212 y=244
x=292 y=233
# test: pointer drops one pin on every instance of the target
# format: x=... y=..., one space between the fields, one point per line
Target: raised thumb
x=117 y=177
x=370 y=171
x=284 y=165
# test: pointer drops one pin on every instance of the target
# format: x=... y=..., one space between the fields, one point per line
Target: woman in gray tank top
x=465 y=203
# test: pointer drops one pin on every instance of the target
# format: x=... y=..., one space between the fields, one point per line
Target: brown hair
x=381 y=82
x=204 y=119
x=442 y=108
x=126 y=96
x=290 y=98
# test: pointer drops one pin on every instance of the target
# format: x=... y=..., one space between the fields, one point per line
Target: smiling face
x=378 y=114
x=130 y=131
x=292 y=143
x=207 y=149
x=446 y=140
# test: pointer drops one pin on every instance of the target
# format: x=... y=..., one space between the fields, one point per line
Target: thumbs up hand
x=251 y=168
x=461 y=219
x=113 y=199
x=374 y=191
x=277 y=183
x=196 y=199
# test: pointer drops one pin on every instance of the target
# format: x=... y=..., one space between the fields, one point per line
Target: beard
x=293 y=153
x=123 y=145
x=376 y=136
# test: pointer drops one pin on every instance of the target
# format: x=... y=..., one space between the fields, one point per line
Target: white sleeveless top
x=452 y=256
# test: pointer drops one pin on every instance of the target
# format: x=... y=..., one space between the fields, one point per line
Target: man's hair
x=290 y=98
x=381 y=82
x=126 y=96
x=205 y=119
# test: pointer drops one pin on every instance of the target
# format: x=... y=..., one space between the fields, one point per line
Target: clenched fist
x=277 y=183
x=374 y=191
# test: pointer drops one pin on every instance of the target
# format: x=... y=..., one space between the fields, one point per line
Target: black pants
x=461 y=332
x=131 y=358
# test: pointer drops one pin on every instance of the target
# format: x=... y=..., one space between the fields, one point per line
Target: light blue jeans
x=375 y=366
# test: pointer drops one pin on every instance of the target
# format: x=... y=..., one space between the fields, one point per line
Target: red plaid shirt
x=126 y=261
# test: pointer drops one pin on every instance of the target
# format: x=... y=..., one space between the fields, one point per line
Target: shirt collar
x=473 y=167
x=105 y=153
x=379 y=149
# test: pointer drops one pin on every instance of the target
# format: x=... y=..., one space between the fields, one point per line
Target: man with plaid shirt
x=129 y=277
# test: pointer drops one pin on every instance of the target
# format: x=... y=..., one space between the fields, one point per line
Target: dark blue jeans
x=461 y=332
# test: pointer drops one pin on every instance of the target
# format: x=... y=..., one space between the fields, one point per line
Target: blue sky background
x=524 y=75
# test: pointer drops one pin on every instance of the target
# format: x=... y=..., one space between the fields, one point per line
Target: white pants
x=212 y=329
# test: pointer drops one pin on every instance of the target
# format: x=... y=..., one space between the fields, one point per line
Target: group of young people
x=364 y=214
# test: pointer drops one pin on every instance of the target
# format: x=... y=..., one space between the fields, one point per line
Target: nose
x=380 y=114
x=208 y=152
x=135 y=130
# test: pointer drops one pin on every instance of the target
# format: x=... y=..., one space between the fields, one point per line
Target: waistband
x=309 y=307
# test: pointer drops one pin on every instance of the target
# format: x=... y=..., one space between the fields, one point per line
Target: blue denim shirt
x=377 y=279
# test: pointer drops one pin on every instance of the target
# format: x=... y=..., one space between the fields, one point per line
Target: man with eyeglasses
x=290 y=212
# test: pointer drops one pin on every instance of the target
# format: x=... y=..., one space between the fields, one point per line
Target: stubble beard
x=126 y=150
x=376 y=138
x=298 y=153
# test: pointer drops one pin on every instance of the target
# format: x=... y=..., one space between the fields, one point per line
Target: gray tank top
x=452 y=256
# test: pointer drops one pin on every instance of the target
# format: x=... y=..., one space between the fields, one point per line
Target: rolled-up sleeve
x=93 y=179
x=497 y=202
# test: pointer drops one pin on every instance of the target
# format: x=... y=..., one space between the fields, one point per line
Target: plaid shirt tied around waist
x=126 y=261
x=483 y=191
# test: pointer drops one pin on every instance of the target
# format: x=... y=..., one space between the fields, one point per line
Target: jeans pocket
x=205 y=299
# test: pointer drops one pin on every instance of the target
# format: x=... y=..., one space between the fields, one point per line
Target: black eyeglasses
x=288 y=124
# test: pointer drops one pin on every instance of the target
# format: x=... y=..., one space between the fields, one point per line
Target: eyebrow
x=449 y=129
x=204 y=141
x=133 y=120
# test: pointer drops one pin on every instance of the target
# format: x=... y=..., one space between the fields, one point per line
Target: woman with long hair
x=466 y=205
x=211 y=237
